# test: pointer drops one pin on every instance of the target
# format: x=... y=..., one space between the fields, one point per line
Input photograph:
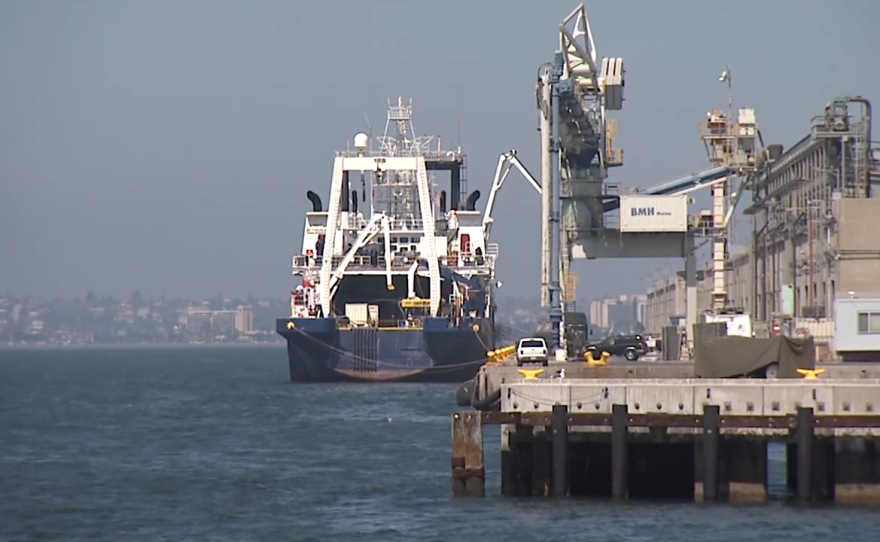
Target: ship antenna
x=458 y=108
x=458 y=127
x=369 y=131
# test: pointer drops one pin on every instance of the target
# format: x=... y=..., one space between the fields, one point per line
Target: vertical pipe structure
x=546 y=185
x=810 y=284
x=804 y=454
x=711 y=417
x=555 y=308
x=690 y=274
x=867 y=148
x=559 y=449
x=619 y=460
x=719 y=289
x=755 y=276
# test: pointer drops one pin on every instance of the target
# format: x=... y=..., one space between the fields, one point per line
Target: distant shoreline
x=136 y=346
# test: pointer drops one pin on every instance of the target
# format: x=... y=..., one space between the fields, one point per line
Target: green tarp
x=733 y=356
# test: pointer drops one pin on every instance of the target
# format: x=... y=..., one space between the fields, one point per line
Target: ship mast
x=401 y=198
x=396 y=192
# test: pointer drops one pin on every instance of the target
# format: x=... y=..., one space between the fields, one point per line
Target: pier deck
x=492 y=376
x=704 y=439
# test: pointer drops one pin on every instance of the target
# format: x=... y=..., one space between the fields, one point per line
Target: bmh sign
x=649 y=211
x=645 y=214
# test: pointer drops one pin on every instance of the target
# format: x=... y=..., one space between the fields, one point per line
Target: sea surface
x=209 y=444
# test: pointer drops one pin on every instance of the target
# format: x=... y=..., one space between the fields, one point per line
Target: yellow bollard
x=530 y=374
x=498 y=355
x=592 y=362
x=810 y=374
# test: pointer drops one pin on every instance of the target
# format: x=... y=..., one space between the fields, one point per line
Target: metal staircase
x=428 y=243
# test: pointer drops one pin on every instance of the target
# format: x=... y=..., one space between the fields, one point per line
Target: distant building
x=206 y=325
x=599 y=313
x=223 y=324
x=624 y=310
x=244 y=319
x=198 y=326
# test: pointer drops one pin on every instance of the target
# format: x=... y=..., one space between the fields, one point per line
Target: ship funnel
x=316 y=201
x=471 y=203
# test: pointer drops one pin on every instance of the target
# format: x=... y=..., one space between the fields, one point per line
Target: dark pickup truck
x=632 y=347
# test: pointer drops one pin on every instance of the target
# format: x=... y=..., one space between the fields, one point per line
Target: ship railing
x=398 y=225
x=413 y=323
x=351 y=221
x=304 y=262
x=486 y=262
x=468 y=259
x=430 y=156
x=389 y=324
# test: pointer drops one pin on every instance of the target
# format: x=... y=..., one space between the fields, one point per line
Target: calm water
x=215 y=444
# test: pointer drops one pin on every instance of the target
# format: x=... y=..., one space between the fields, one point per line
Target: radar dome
x=361 y=141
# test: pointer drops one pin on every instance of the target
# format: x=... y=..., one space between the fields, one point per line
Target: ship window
x=465 y=242
x=412 y=247
x=393 y=248
x=404 y=239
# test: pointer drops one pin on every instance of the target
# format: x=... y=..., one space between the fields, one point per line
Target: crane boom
x=506 y=162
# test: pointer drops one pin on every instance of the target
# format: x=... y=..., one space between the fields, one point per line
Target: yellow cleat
x=597 y=362
x=530 y=374
x=290 y=325
x=810 y=374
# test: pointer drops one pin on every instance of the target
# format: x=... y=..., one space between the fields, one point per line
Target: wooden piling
x=805 y=439
x=559 y=439
x=619 y=460
x=468 y=474
x=711 y=438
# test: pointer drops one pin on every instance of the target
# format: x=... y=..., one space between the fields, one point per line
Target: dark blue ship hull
x=320 y=352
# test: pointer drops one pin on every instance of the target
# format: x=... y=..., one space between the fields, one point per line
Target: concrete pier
x=493 y=375
x=685 y=438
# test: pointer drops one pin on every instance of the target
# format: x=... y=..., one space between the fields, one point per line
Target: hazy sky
x=167 y=146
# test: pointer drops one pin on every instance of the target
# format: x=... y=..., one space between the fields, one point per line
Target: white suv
x=531 y=350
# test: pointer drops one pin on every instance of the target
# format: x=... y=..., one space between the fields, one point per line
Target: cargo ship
x=396 y=277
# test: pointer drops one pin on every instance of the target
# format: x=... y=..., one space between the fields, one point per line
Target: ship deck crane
x=373 y=228
x=386 y=228
x=506 y=162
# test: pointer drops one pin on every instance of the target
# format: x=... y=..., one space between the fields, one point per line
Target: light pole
x=726 y=78
x=720 y=196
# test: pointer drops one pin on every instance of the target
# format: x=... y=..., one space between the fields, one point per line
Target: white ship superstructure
x=387 y=217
